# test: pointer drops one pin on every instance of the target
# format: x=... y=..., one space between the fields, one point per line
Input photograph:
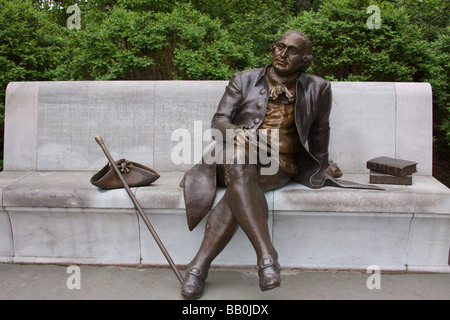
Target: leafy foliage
x=29 y=43
x=128 y=44
x=346 y=49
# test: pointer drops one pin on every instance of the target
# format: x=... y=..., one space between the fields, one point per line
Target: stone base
x=59 y=217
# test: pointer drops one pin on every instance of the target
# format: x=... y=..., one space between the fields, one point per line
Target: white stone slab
x=6 y=243
x=164 y=193
x=298 y=198
x=20 y=139
x=58 y=121
x=71 y=114
x=183 y=106
x=429 y=243
x=63 y=189
x=70 y=235
x=7 y=178
x=430 y=195
x=342 y=240
x=414 y=125
x=408 y=228
x=362 y=123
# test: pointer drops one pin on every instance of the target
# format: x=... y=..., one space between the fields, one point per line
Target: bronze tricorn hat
x=135 y=174
x=197 y=201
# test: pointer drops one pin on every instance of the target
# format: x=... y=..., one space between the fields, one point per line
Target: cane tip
x=99 y=139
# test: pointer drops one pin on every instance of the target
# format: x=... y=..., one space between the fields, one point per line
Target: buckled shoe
x=194 y=282
x=269 y=274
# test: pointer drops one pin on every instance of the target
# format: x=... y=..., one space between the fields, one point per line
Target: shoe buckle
x=195 y=272
x=266 y=261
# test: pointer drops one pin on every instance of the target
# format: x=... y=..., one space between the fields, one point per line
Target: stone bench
x=50 y=213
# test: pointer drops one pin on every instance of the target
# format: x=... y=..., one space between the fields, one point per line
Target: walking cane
x=139 y=209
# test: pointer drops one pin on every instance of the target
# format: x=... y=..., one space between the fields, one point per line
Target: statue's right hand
x=244 y=135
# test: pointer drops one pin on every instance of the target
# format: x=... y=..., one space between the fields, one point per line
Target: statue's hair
x=308 y=56
x=307 y=41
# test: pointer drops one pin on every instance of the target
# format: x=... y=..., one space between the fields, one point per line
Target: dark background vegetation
x=212 y=39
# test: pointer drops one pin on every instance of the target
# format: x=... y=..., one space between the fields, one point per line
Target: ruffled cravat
x=280 y=85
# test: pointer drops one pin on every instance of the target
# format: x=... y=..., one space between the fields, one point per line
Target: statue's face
x=287 y=54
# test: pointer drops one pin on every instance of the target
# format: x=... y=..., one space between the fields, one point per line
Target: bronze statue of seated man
x=280 y=97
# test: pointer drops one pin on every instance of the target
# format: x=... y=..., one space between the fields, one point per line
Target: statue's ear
x=272 y=48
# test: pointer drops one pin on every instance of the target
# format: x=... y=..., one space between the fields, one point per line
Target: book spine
x=384 y=168
x=378 y=178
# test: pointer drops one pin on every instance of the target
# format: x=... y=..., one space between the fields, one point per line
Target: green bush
x=440 y=81
x=345 y=49
x=127 y=44
x=29 y=44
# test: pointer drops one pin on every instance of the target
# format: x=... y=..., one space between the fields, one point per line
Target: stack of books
x=385 y=170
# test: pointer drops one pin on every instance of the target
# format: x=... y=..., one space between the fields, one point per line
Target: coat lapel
x=302 y=109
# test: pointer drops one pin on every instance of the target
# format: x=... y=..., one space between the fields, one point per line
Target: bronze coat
x=244 y=104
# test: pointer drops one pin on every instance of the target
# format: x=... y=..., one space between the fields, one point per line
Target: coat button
x=260 y=105
x=256 y=121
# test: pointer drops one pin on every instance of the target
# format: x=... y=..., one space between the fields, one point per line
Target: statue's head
x=292 y=53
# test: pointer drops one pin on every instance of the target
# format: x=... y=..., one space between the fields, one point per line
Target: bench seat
x=59 y=217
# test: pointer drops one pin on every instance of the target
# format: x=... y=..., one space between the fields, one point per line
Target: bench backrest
x=52 y=125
